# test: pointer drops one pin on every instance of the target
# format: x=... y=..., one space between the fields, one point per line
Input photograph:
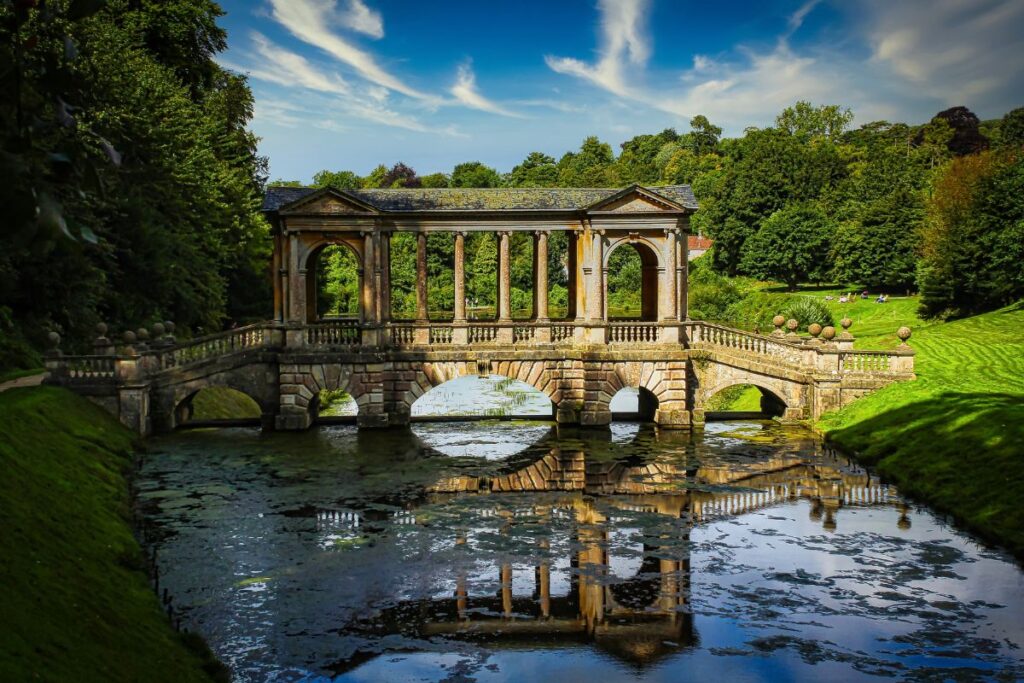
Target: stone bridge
x=579 y=360
x=149 y=385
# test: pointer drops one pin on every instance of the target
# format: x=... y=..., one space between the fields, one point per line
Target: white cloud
x=277 y=65
x=362 y=19
x=308 y=20
x=624 y=43
x=956 y=51
x=465 y=92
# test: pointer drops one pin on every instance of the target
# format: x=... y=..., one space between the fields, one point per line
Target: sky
x=350 y=84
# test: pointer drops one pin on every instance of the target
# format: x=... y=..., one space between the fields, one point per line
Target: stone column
x=504 y=278
x=597 y=313
x=683 y=269
x=540 y=275
x=669 y=306
x=371 y=274
x=275 y=270
x=421 y=277
x=460 y=333
x=385 y=276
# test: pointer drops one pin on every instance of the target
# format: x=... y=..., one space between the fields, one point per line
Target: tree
x=966 y=135
x=537 y=170
x=1012 y=128
x=704 y=135
x=636 y=163
x=808 y=122
x=791 y=246
x=435 y=180
x=376 y=177
x=341 y=180
x=592 y=166
x=475 y=174
x=400 y=175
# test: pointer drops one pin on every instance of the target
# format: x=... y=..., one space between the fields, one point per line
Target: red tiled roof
x=699 y=242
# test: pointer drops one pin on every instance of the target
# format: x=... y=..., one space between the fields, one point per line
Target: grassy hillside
x=76 y=603
x=222 y=403
x=954 y=437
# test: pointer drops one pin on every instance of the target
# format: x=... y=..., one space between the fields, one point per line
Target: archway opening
x=487 y=397
x=632 y=283
x=333 y=283
x=217 y=405
x=744 y=401
x=632 y=404
x=333 y=405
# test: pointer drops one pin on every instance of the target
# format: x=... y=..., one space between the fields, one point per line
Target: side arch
x=787 y=394
x=310 y=258
x=172 y=404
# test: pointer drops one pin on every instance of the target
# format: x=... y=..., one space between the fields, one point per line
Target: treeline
x=887 y=206
x=131 y=184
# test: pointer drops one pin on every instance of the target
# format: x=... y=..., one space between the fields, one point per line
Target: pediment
x=328 y=202
x=635 y=199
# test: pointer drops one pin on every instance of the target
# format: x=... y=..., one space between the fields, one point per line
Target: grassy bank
x=953 y=438
x=76 y=603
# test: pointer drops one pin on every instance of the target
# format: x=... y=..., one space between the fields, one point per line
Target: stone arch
x=651 y=268
x=783 y=391
x=429 y=375
x=610 y=378
x=301 y=385
x=173 y=404
x=309 y=258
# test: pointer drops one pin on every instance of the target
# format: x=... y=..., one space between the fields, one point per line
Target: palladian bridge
x=579 y=361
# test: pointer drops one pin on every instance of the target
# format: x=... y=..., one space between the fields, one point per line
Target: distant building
x=698 y=244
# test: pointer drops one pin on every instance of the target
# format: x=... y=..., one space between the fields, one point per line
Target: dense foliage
x=131 y=182
x=887 y=207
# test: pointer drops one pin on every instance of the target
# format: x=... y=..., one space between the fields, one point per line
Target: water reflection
x=629 y=554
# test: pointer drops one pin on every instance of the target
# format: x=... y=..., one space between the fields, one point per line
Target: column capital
x=503 y=233
x=460 y=233
x=601 y=231
x=542 y=233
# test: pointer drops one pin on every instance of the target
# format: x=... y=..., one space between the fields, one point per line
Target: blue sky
x=349 y=84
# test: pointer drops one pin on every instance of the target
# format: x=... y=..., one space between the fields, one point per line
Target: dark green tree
x=792 y=245
x=475 y=174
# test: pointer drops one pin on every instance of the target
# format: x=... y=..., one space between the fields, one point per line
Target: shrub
x=711 y=294
x=807 y=310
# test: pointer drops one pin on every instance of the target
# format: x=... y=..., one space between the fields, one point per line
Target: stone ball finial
x=903 y=333
x=129 y=337
x=101 y=329
x=814 y=329
x=142 y=334
x=53 y=339
x=792 y=324
x=846 y=322
x=169 y=326
x=779 y=320
x=158 y=329
x=828 y=332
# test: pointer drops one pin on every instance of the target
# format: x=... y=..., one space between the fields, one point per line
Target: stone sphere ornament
x=846 y=322
x=903 y=333
x=101 y=329
x=814 y=329
x=792 y=324
x=142 y=334
x=169 y=326
x=829 y=333
x=158 y=329
x=54 y=339
x=129 y=337
x=779 y=320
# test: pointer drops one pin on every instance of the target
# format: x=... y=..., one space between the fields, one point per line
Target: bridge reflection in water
x=599 y=552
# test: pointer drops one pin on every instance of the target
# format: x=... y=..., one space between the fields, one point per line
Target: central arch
x=334 y=282
x=631 y=281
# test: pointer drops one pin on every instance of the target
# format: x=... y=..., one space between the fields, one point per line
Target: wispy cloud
x=309 y=21
x=955 y=51
x=362 y=19
x=465 y=92
x=624 y=43
x=277 y=65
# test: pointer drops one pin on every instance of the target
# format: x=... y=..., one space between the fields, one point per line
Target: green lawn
x=955 y=436
x=222 y=403
x=76 y=602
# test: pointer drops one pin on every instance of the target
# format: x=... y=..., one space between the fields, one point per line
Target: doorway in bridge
x=215 y=405
x=632 y=283
x=744 y=400
x=335 y=283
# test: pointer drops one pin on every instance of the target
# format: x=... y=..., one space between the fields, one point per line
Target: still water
x=512 y=551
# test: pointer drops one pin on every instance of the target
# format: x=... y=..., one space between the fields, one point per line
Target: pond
x=511 y=551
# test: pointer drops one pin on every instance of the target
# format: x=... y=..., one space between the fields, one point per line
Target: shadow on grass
x=959 y=452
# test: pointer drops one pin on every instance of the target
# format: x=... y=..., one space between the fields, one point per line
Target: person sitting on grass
x=843 y=299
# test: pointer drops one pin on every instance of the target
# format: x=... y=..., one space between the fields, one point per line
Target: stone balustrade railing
x=137 y=358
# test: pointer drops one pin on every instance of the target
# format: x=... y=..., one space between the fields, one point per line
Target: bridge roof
x=480 y=199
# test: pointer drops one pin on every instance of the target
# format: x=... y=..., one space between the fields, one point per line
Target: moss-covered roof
x=479 y=199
